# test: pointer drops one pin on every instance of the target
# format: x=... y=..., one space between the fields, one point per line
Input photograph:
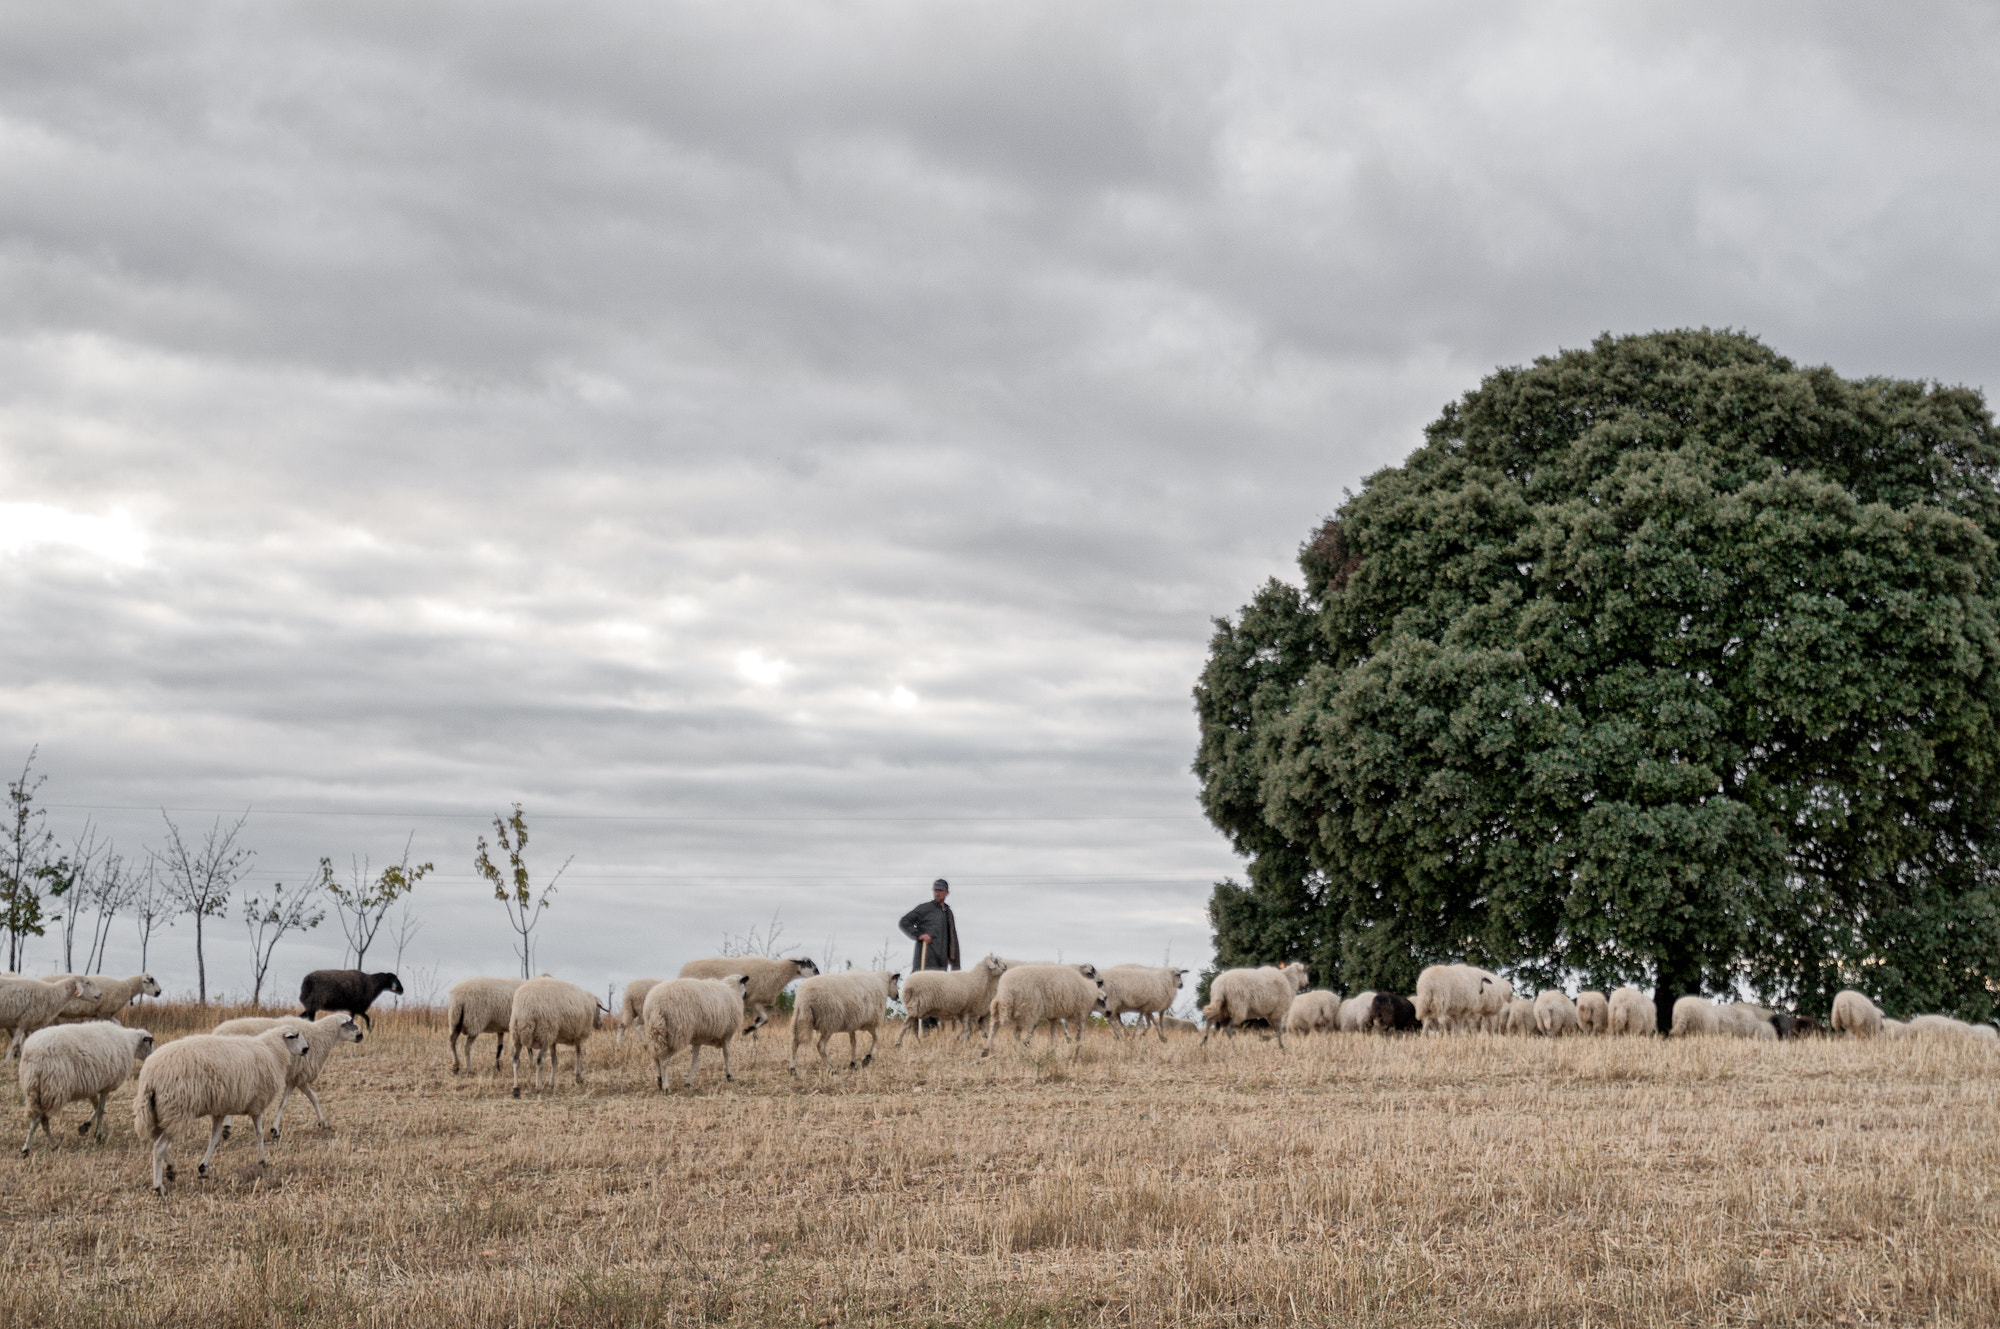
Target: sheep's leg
x=577 y=1049
x=499 y=1047
x=96 y=1126
x=798 y=1037
x=279 y=1119
x=1159 y=1026
x=825 y=1061
x=258 y=1122
x=215 y=1139
x=454 y=1052
x=162 y=1169
x=873 y=1040
x=517 y=1066
x=694 y=1059
x=34 y=1120
x=726 y=1074
x=909 y=1020
x=853 y=1050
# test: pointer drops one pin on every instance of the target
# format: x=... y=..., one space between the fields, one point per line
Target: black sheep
x=1390 y=1012
x=347 y=990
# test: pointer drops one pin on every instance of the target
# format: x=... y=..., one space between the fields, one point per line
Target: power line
x=583 y=816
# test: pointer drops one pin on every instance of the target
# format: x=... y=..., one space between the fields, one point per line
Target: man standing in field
x=932 y=927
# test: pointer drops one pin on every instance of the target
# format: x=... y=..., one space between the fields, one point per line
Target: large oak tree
x=1666 y=662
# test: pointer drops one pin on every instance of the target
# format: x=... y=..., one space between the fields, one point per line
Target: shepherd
x=931 y=926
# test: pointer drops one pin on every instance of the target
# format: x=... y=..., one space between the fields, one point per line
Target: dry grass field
x=1348 y=1180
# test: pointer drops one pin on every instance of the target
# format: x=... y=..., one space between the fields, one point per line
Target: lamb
x=1146 y=989
x=693 y=1013
x=1633 y=1012
x=546 y=1014
x=64 y=1064
x=1237 y=995
x=115 y=995
x=845 y=1003
x=206 y=1075
x=1354 y=1011
x=1313 y=1013
x=1593 y=1013
x=1855 y=1014
x=1031 y=993
x=1696 y=1015
x=940 y=994
x=28 y=1004
x=1554 y=1014
x=768 y=977
x=321 y=1036
x=1458 y=996
x=347 y=990
x=1519 y=1017
x=1391 y=1012
x=481 y=1006
x=632 y=1006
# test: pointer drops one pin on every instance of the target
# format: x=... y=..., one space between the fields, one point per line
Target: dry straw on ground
x=1350 y=1180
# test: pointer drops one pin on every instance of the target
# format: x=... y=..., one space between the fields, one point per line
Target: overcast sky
x=797 y=450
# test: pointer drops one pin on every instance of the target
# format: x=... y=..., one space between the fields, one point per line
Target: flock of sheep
x=73 y=1049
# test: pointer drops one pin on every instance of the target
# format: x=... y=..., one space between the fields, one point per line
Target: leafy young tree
x=288 y=909
x=29 y=875
x=361 y=904
x=1665 y=661
x=200 y=881
x=111 y=888
x=513 y=887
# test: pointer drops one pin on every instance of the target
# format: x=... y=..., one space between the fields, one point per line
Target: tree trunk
x=200 y=962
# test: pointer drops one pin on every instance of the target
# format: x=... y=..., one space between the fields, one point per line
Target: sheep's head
x=142 y=1046
x=1087 y=970
x=148 y=987
x=88 y=990
x=895 y=986
x=1180 y=977
x=741 y=982
x=295 y=1042
x=350 y=1032
x=389 y=983
x=806 y=967
x=1297 y=973
x=994 y=965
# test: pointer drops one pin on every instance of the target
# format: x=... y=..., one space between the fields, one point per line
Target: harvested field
x=1350 y=1180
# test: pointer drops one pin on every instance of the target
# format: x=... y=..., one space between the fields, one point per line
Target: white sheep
x=1593 y=1013
x=1742 y=1019
x=632 y=1005
x=1696 y=1015
x=693 y=1013
x=1237 y=995
x=1555 y=1014
x=768 y=977
x=1173 y=1024
x=1354 y=1011
x=321 y=1036
x=205 y=1075
x=481 y=1006
x=1031 y=993
x=1313 y=1013
x=1855 y=1014
x=944 y=994
x=1493 y=998
x=1519 y=1017
x=1633 y=1012
x=28 y=1004
x=546 y=1014
x=844 y=1003
x=1945 y=1026
x=114 y=995
x=1146 y=989
x=67 y=1063
x=1458 y=996
x=1894 y=1029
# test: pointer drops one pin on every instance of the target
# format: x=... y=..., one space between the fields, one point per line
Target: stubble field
x=1346 y=1180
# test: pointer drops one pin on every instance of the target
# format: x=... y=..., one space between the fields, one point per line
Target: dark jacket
x=936 y=919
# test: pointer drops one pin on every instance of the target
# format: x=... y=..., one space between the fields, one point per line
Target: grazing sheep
x=768 y=977
x=632 y=1006
x=944 y=994
x=1173 y=1024
x=1893 y=1029
x=1855 y=1014
x=1742 y=1019
x=845 y=1003
x=67 y=1063
x=1519 y=1018
x=1696 y=1015
x=1593 y=1013
x=548 y=1013
x=1237 y=995
x=205 y=1075
x=1313 y=1013
x=1031 y=993
x=1144 y=988
x=1354 y=1011
x=115 y=994
x=693 y=1013
x=1390 y=1013
x=28 y=1004
x=1633 y=1013
x=1459 y=997
x=321 y=1036
x=1797 y=1026
x=481 y=1006
x=1554 y=1013
x=347 y=990
x=1945 y=1026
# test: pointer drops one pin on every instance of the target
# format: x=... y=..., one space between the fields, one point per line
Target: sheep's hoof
x=201 y=1169
x=225 y=1130
x=867 y=1059
x=170 y=1172
x=24 y=1151
x=274 y=1135
x=517 y=1091
x=83 y=1129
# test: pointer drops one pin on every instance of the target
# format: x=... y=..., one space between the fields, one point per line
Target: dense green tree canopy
x=1665 y=662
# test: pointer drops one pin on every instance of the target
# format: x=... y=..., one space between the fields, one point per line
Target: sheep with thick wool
x=1518 y=1019
x=1354 y=1011
x=768 y=977
x=1742 y=1019
x=322 y=1036
x=632 y=1005
x=1266 y=994
x=1593 y=1013
x=1945 y=1026
x=945 y=994
x=1313 y=1012
x=480 y=1006
x=693 y=1013
x=1696 y=1015
x=845 y=1003
x=1855 y=1014
x=547 y=1013
x=1893 y=1029
x=1459 y=997
x=1031 y=993
x=1555 y=1014
x=213 y=1076
x=114 y=995
x=1148 y=990
x=28 y=1004
x=1633 y=1012
x=68 y=1063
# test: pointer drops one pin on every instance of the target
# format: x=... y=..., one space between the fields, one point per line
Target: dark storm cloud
x=803 y=417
